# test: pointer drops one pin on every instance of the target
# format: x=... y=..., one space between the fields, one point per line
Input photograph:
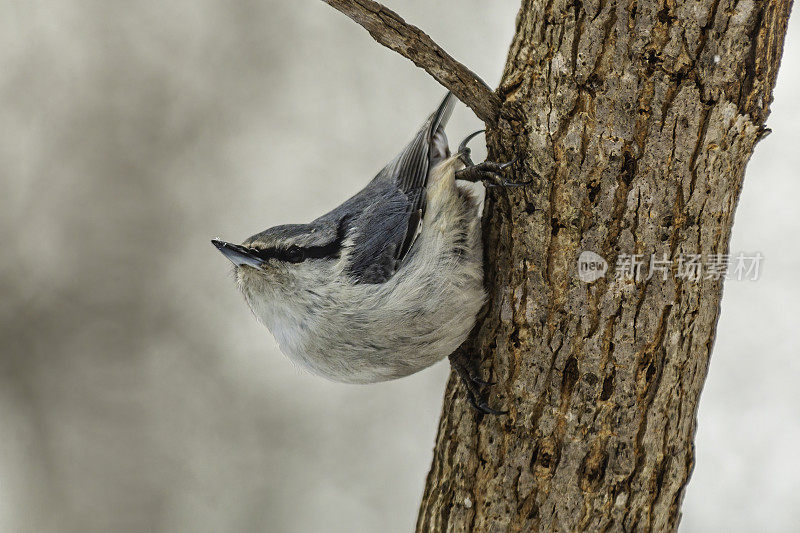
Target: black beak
x=238 y=255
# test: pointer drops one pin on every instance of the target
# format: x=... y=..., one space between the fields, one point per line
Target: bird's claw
x=507 y=163
x=504 y=183
x=488 y=172
x=481 y=382
x=461 y=364
x=483 y=407
x=463 y=150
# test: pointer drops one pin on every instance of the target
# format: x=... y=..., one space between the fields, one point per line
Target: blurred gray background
x=137 y=393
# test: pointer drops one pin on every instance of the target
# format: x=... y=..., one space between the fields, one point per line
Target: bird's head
x=285 y=259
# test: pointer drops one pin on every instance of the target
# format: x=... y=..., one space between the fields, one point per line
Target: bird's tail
x=439 y=149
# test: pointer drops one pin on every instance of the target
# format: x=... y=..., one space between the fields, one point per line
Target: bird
x=390 y=281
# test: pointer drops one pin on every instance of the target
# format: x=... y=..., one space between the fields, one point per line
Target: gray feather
x=381 y=221
x=389 y=209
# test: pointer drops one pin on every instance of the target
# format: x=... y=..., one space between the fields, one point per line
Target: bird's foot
x=489 y=173
x=464 y=367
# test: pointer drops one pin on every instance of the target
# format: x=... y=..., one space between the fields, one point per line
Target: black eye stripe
x=298 y=254
x=295 y=254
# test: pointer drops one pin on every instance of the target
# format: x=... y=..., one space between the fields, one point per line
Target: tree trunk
x=635 y=120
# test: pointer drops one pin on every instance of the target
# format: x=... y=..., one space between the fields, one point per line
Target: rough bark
x=635 y=120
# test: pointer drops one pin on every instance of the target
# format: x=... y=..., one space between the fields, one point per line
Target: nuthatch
x=389 y=282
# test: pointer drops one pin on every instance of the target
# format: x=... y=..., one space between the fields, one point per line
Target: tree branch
x=390 y=30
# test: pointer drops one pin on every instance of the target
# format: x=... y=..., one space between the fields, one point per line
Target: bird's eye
x=295 y=254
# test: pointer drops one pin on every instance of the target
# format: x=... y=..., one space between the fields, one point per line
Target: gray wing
x=409 y=170
x=383 y=220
